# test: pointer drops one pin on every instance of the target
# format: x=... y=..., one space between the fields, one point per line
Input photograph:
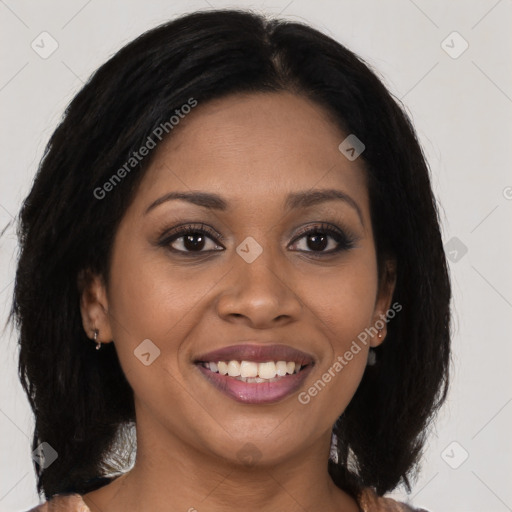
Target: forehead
x=252 y=148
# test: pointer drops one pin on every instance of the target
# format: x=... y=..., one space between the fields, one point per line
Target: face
x=265 y=262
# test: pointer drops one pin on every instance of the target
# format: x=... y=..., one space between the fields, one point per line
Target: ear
x=387 y=283
x=94 y=306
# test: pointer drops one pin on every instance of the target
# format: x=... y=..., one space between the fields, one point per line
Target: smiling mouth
x=255 y=383
x=252 y=372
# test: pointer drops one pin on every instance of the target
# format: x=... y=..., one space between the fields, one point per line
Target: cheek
x=342 y=305
x=152 y=300
x=151 y=295
x=149 y=301
x=344 y=300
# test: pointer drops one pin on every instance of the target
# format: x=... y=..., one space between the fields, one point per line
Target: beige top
x=368 y=502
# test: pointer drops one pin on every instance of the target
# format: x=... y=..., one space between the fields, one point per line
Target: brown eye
x=320 y=238
x=190 y=239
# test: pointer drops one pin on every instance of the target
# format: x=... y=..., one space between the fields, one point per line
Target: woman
x=239 y=216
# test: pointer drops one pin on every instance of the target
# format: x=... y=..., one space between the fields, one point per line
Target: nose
x=259 y=294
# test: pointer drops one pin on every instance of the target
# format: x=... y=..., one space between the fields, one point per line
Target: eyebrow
x=294 y=200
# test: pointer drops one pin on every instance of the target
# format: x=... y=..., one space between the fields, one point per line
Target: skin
x=253 y=150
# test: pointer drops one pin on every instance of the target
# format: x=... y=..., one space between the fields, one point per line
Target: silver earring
x=98 y=343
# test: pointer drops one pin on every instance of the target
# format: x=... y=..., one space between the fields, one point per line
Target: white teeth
x=250 y=371
x=267 y=370
x=223 y=367
x=234 y=369
x=247 y=369
x=281 y=368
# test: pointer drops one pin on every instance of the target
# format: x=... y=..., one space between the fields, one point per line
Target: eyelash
x=344 y=241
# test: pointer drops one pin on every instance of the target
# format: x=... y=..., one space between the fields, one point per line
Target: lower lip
x=253 y=392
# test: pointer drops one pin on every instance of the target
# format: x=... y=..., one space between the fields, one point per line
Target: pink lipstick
x=256 y=374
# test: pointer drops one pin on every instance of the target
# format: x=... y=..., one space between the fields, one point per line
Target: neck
x=176 y=476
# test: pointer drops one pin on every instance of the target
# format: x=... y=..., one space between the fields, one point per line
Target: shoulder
x=62 y=503
x=369 y=501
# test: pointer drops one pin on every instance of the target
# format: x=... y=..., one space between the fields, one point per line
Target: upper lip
x=257 y=353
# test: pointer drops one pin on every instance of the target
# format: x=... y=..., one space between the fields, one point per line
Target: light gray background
x=461 y=108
